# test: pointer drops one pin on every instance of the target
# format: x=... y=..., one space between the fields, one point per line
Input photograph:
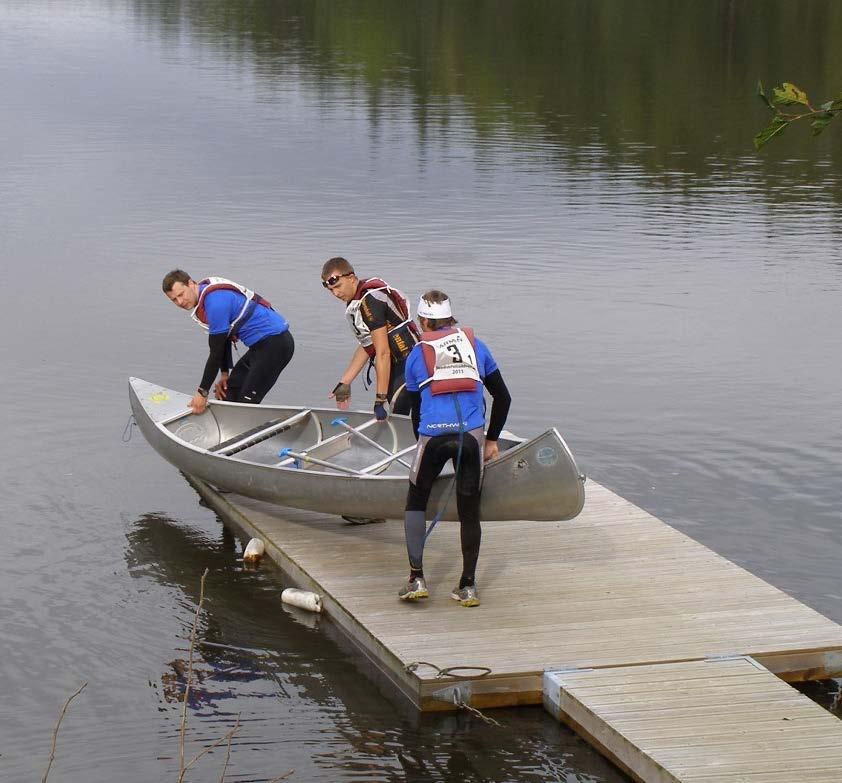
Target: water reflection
x=577 y=172
x=303 y=693
x=587 y=84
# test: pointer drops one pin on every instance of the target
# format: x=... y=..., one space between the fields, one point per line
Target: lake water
x=579 y=176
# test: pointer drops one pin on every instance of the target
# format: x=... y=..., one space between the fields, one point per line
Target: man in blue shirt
x=445 y=376
x=231 y=312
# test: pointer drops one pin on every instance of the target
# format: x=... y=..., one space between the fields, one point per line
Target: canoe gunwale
x=510 y=488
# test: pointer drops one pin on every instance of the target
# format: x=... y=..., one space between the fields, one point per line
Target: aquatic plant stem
x=209 y=748
x=181 y=766
x=228 y=736
x=228 y=749
x=58 y=724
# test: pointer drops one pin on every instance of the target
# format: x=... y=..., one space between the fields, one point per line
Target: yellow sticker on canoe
x=159 y=396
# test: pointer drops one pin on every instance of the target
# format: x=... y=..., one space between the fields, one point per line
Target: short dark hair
x=337 y=264
x=434 y=296
x=176 y=276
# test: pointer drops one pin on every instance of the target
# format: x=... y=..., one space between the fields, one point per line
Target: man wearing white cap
x=445 y=376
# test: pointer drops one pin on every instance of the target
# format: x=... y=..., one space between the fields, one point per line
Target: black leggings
x=257 y=371
x=433 y=455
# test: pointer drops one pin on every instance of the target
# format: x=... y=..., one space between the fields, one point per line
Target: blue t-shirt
x=438 y=411
x=224 y=305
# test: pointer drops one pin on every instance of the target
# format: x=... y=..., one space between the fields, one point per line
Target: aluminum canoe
x=344 y=462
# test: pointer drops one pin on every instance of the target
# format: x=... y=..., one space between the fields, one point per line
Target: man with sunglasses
x=231 y=312
x=379 y=317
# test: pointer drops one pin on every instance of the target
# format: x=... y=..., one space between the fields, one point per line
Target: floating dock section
x=668 y=658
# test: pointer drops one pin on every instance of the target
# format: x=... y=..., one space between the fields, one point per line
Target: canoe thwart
x=258 y=434
x=342 y=421
x=300 y=459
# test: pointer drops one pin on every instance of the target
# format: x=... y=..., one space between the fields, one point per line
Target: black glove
x=341 y=392
x=380 y=412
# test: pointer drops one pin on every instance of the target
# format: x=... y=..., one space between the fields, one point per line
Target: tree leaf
x=788 y=94
x=770 y=131
x=821 y=122
x=763 y=97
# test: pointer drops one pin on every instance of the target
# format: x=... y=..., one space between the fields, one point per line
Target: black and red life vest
x=402 y=336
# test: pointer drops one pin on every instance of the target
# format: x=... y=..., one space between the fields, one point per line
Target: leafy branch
x=788 y=95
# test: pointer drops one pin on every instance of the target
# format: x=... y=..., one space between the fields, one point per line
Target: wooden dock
x=713 y=721
x=647 y=610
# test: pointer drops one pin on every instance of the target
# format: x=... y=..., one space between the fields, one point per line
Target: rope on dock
x=449 y=671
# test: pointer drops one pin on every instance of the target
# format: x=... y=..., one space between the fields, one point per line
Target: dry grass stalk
x=181 y=767
x=55 y=730
x=228 y=749
x=209 y=748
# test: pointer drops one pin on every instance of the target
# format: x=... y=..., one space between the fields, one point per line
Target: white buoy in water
x=254 y=551
x=303 y=599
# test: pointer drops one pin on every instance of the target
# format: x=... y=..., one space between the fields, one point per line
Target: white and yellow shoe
x=466 y=596
x=414 y=590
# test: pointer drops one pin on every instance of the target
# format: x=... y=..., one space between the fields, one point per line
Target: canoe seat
x=258 y=434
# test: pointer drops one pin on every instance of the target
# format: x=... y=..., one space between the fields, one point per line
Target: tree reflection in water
x=596 y=83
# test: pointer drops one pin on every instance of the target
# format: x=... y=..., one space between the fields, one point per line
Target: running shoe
x=466 y=596
x=414 y=590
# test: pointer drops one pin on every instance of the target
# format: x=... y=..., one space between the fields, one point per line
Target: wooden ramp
x=717 y=721
x=615 y=590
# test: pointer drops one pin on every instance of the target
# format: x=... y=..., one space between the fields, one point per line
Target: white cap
x=434 y=310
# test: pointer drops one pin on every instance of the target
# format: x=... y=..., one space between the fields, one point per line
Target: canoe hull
x=536 y=479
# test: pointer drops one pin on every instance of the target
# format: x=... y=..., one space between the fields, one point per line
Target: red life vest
x=222 y=284
x=451 y=359
x=401 y=337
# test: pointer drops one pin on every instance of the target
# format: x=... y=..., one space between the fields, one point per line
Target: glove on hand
x=380 y=412
x=341 y=392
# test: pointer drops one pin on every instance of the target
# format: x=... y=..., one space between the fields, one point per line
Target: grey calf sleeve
x=415 y=528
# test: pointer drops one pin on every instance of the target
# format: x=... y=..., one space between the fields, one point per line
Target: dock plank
x=683 y=724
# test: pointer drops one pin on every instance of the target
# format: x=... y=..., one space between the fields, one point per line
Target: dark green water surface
x=578 y=176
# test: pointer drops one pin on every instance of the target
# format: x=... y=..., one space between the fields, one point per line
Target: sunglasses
x=334 y=279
